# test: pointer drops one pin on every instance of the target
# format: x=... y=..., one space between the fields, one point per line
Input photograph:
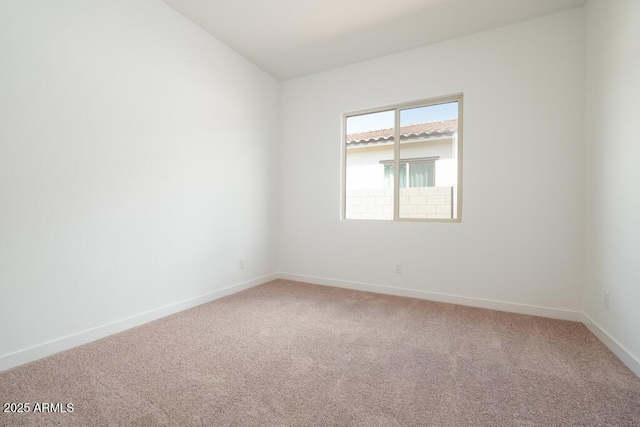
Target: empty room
x=319 y=212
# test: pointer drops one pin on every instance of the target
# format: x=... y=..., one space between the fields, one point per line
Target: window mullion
x=396 y=158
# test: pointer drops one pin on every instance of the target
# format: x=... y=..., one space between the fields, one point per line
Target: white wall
x=137 y=164
x=523 y=139
x=613 y=156
x=134 y=149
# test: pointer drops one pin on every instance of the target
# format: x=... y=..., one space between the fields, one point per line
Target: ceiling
x=292 y=38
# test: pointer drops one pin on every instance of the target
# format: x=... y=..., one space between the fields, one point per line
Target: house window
x=403 y=162
x=413 y=173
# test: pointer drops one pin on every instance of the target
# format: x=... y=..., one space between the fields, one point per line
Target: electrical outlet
x=399 y=267
x=241 y=263
x=605 y=300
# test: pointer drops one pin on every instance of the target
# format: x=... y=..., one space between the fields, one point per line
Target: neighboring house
x=427 y=156
x=427 y=178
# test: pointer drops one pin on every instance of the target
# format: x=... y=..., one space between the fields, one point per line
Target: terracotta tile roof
x=435 y=128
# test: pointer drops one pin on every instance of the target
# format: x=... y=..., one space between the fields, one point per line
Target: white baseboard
x=618 y=349
x=510 y=307
x=20 y=357
x=30 y=354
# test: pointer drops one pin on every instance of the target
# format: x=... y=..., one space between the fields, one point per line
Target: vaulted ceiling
x=292 y=38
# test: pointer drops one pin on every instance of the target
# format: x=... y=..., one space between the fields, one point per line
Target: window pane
x=369 y=146
x=421 y=174
x=389 y=168
x=388 y=176
x=429 y=147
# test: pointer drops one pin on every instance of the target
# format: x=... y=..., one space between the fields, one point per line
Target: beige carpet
x=286 y=353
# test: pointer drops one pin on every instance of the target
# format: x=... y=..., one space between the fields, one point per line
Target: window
x=415 y=172
x=403 y=162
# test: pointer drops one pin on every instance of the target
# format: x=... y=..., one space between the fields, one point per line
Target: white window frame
x=396 y=143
